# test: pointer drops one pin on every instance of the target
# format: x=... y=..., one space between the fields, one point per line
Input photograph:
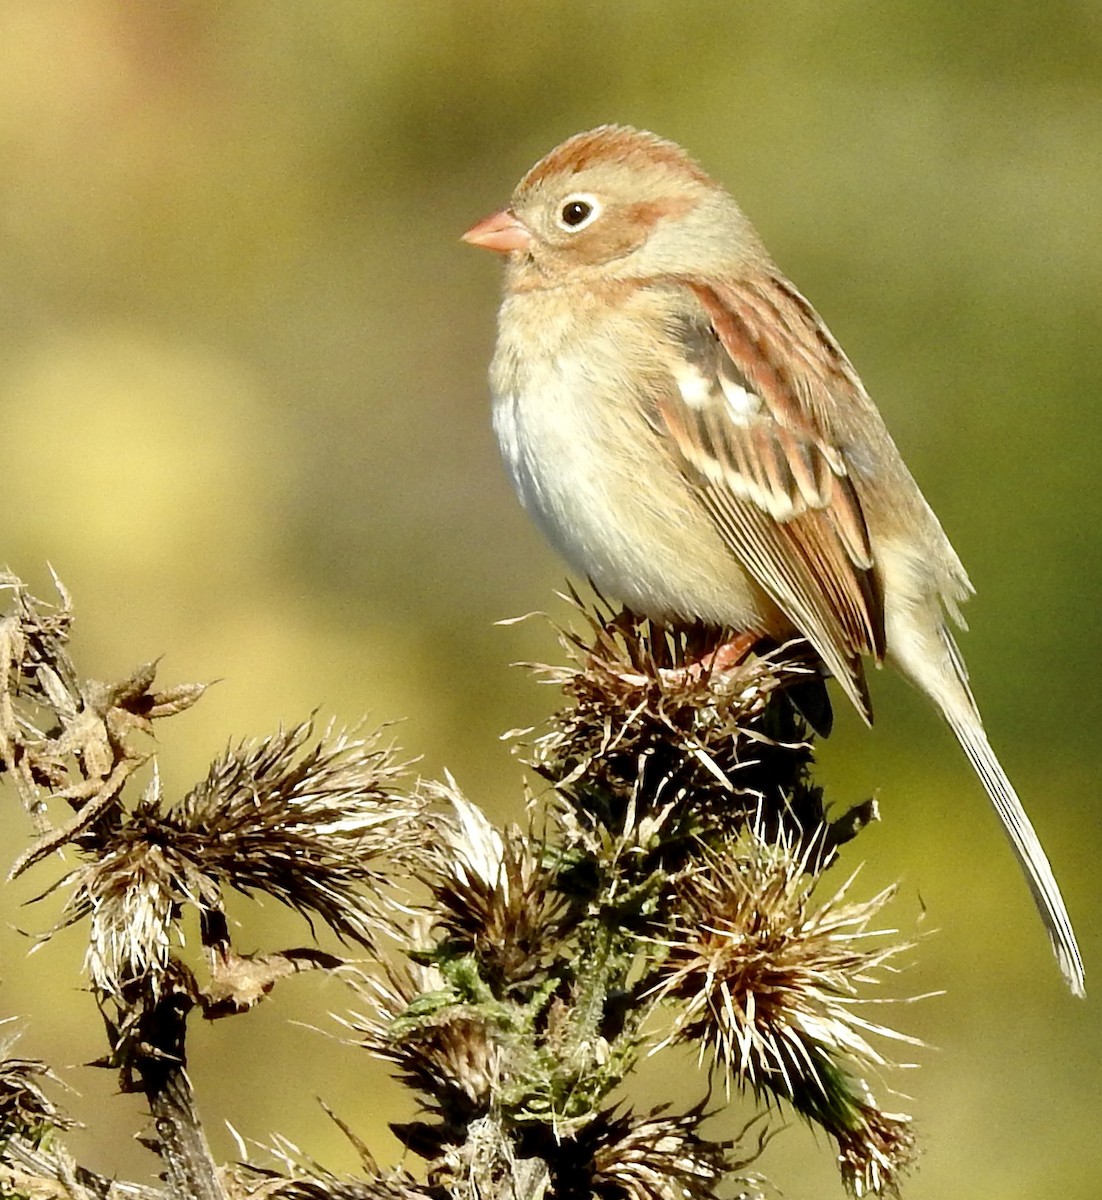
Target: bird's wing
x=749 y=422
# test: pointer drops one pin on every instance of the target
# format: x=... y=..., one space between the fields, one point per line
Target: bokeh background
x=243 y=413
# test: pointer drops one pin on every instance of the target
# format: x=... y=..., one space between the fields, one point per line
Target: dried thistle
x=655 y=748
x=678 y=864
x=622 y=1156
x=25 y=1110
x=494 y=896
x=446 y=1045
x=34 y=660
x=64 y=737
x=312 y=1182
x=382 y=1187
x=309 y=825
x=768 y=977
x=672 y=874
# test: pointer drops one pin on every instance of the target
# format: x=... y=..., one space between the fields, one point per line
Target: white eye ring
x=578 y=210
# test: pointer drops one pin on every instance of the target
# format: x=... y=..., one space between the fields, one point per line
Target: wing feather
x=749 y=421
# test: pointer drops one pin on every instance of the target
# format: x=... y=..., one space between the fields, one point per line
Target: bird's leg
x=723 y=658
x=700 y=656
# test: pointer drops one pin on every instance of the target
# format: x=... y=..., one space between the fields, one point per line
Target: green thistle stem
x=588 y=1010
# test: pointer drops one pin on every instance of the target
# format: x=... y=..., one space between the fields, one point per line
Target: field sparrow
x=686 y=432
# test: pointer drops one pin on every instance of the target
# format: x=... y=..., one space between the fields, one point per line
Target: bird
x=688 y=434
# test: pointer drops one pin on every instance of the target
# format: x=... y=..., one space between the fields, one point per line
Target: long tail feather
x=1027 y=847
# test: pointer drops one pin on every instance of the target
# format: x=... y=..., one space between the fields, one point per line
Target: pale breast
x=592 y=471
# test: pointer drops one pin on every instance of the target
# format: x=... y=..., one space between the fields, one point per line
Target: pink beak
x=500 y=231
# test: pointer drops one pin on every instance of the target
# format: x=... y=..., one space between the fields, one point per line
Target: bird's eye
x=576 y=212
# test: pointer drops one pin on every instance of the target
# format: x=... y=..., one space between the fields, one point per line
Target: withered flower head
x=306 y=824
x=309 y=825
x=622 y=1156
x=397 y=1186
x=652 y=732
x=493 y=897
x=25 y=1109
x=448 y=1052
x=334 y=1188
x=768 y=978
x=304 y=1179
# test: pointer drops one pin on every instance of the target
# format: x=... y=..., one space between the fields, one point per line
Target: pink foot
x=722 y=658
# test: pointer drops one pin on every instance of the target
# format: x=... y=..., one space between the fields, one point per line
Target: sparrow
x=687 y=433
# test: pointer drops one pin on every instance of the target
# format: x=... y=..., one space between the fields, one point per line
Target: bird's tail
x=1027 y=846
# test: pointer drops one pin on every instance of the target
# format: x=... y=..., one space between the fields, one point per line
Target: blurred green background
x=244 y=415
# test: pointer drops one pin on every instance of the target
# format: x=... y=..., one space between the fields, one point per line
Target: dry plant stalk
x=677 y=883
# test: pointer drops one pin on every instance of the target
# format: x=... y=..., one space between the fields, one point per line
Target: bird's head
x=618 y=203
